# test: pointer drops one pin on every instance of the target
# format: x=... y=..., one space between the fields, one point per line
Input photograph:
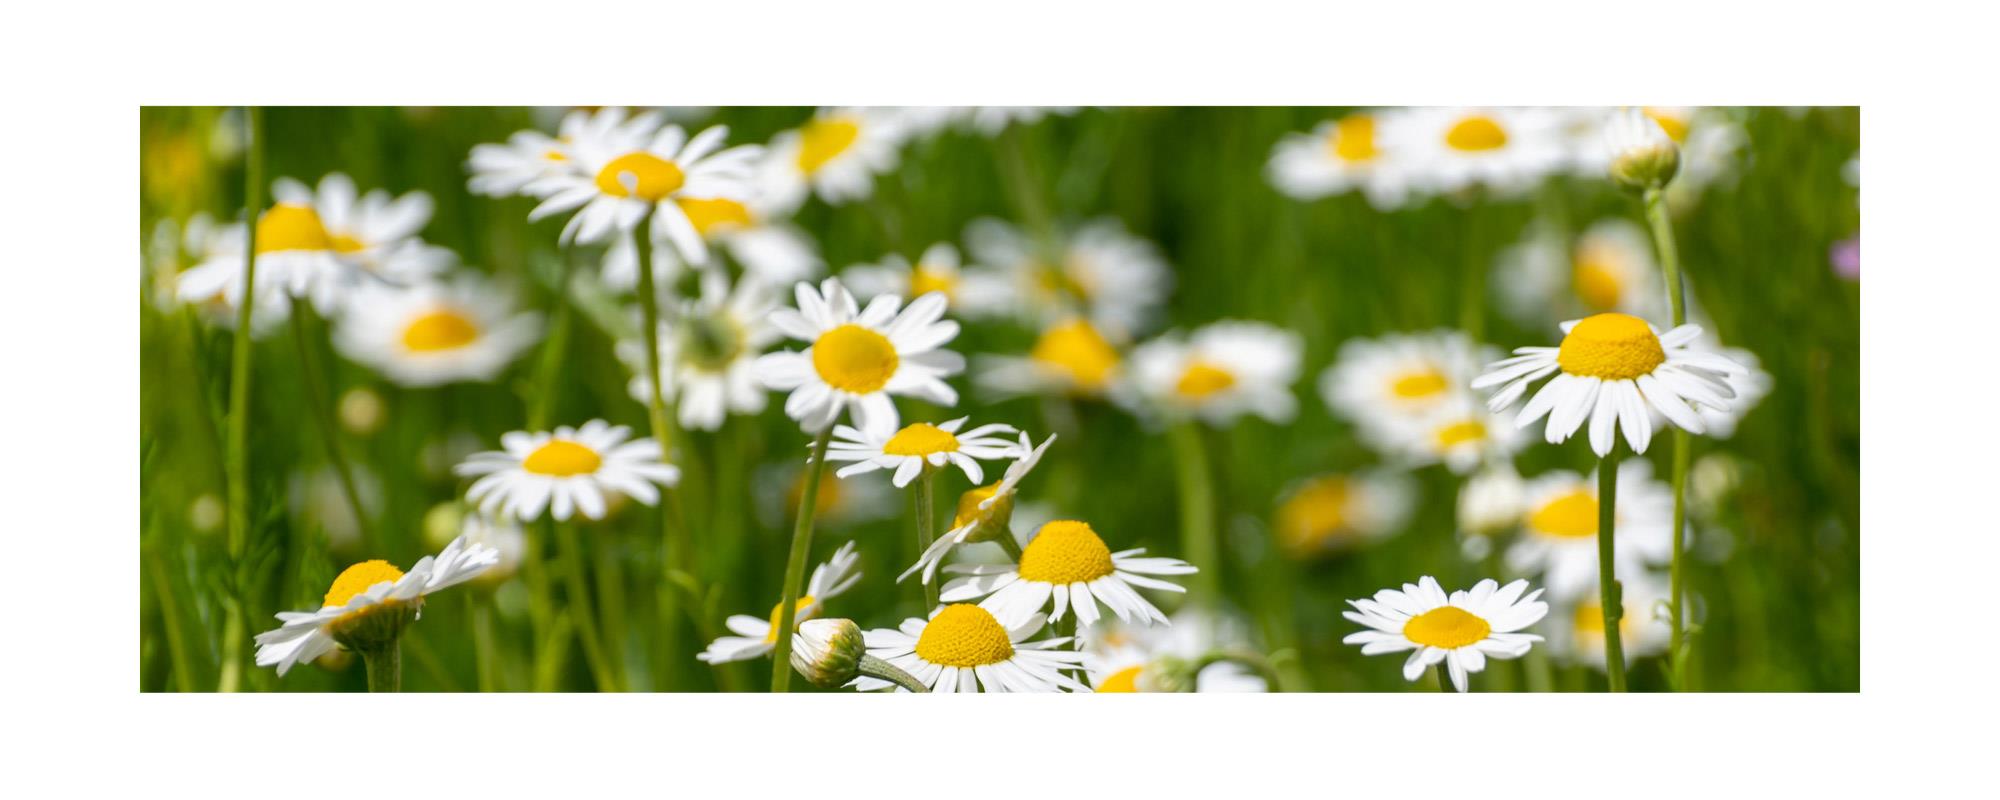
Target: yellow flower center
x=824 y=139
x=440 y=329
x=562 y=458
x=1461 y=432
x=652 y=178
x=291 y=227
x=1315 y=513
x=968 y=503
x=1449 y=627
x=921 y=439
x=1419 y=384
x=1064 y=552
x=1078 y=351
x=1202 y=379
x=713 y=215
x=924 y=280
x=356 y=579
x=553 y=154
x=799 y=614
x=1597 y=283
x=1572 y=515
x=1476 y=134
x=964 y=635
x=1124 y=680
x=1612 y=347
x=344 y=243
x=854 y=359
x=1354 y=139
x=1675 y=126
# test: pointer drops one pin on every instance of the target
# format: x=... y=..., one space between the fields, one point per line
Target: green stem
x=534 y=562
x=571 y=552
x=235 y=636
x=329 y=428
x=1609 y=592
x=1662 y=228
x=488 y=666
x=385 y=668
x=927 y=530
x=1012 y=547
x=795 y=565
x=877 y=668
x=1197 y=496
x=1444 y=680
x=671 y=556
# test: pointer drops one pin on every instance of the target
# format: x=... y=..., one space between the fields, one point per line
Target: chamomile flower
x=1223 y=371
x=375 y=232
x=296 y=256
x=1070 y=357
x=836 y=154
x=1708 y=140
x=1559 y=527
x=1610 y=369
x=909 y=450
x=1609 y=268
x=214 y=282
x=984 y=512
x=1460 y=630
x=708 y=354
x=1506 y=150
x=1490 y=503
x=431 y=334
x=567 y=470
x=964 y=648
x=755 y=637
x=1335 y=512
x=859 y=357
x=1337 y=157
x=368 y=602
x=1462 y=434
x=1645 y=629
x=1098 y=272
x=972 y=291
x=1400 y=379
x=1066 y=561
x=506 y=170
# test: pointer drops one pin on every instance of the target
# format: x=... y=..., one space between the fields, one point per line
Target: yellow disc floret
x=824 y=139
x=801 y=611
x=1476 y=134
x=1354 y=139
x=651 y=177
x=964 y=635
x=1124 y=680
x=854 y=359
x=358 y=578
x=968 y=504
x=1079 y=352
x=289 y=226
x=1573 y=515
x=1449 y=627
x=1460 y=432
x=1202 y=380
x=439 y=329
x=921 y=439
x=562 y=458
x=715 y=214
x=1419 y=384
x=1065 y=552
x=1611 y=346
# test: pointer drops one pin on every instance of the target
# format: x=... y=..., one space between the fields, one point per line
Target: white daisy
x=859 y=357
x=1506 y=150
x=1609 y=370
x=755 y=637
x=972 y=291
x=908 y=451
x=375 y=232
x=1339 y=156
x=1646 y=629
x=1462 y=434
x=1069 y=358
x=1335 y=513
x=506 y=170
x=1489 y=503
x=708 y=354
x=1609 y=268
x=570 y=469
x=984 y=512
x=1460 y=630
x=836 y=154
x=431 y=334
x=1387 y=384
x=295 y=256
x=214 y=282
x=1558 y=524
x=1223 y=371
x=963 y=648
x=1099 y=272
x=1067 y=561
x=368 y=590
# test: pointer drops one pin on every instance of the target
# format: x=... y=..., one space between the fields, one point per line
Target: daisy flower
x=1709 y=141
x=1558 y=524
x=369 y=601
x=1337 y=157
x=1609 y=369
x=214 y=282
x=1462 y=434
x=1609 y=268
x=1490 y=503
x=1334 y=513
x=1387 y=384
x=1507 y=150
x=709 y=354
x=1460 y=630
x=1099 y=272
x=1223 y=371
x=859 y=357
x=755 y=637
x=1646 y=629
x=375 y=232
x=984 y=512
x=506 y=170
x=448 y=520
x=836 y=154
x=1067 y=561
x=432 y=334
x=1069 y=358
x=296 y=256
x=963 y=648
x=972 y=291
x=568 y=470
x=908 y=451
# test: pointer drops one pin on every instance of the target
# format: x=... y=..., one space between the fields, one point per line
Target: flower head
x=431 y=334
x=369 y=604
x=828 y=651
x=708 y=353
x=1067 y=562
x=1223 y=371
x=1461 y=630
x=910 y=450
x=567 y=470
x=1643 y=156
x=964 y=648
x=984 y=511
x=858 y=357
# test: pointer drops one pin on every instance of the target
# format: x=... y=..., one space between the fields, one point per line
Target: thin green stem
x=1662 y=227
x=877 y=668
x=1197 y=496
x=927 y=529
x=672 y=556
x=488 y=666
x=385 y=667
x=1444 y=680
x=235 y=636
x=795 y=565
x=1609 y=592
x=578 y=587
x=1012 y=547
x=329 y=428
x=534 y=563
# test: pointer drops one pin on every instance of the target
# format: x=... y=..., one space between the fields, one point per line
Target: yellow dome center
x=1460 y=432
x=1065 y=552
x=1354 y=139
x=921 y=439
x=440 y=329
x=924 y=280
x=1449 y=627
x=799 y=614
x=1573 y=515
x=854 y=359
x=714 y=215
x=289 y=226
x=356 y=579
x=562 y=458
x=652 y=178
x=964 y=635
x=345 y=243
x=968 y=504
x=1419 y=384
x=1315 y=513
x=1476 y=134
x=1124 y=680
x=1202 y=380
x=1597 y=282
x=1079 y=352
x=1612 y=347
x=824 y=139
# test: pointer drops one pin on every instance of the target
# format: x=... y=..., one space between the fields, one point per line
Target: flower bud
x=828 y=651
x=988 y=523
x=1642 y=155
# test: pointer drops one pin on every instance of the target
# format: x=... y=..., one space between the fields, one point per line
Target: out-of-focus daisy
x=505 y=170
x=1099 y=272
x=836 y=154
x=907 y=451
x=1490 y=502
x=1460 y=630
x=567 y=470
x=1070 y=358
x=1339 y=156
x=366 y=600
x=963 y=648
x=708 y=355
x=1507 y=150
x=1223 y=371
x=1067 y=561
x=214 y=282
x=450 y=520
x=1462 y=434
x=1610 y=369
x=859 y=357
x=751 y=232
x=625 y=170
x=755 y=637
x=1400 y=379
x=1559 y=527
x=1333 y=513
x=1610 y=268
x=972 y=291
x=431 y=334
x=1645 y=629
x=295 y=256
x=1127 y=658
x=375 y=232
x=984 y=512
